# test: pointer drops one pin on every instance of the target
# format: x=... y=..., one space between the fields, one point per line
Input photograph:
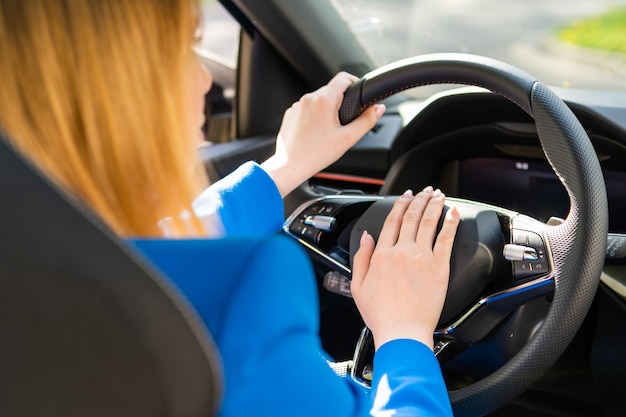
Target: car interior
x=535 y=320
x=473 y=144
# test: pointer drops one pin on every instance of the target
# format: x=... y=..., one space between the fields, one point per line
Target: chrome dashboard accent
x=318 y=252
x=368 y=373
x=614 y=277
x=324 y=223
x=513 y=252
x=364 y=344
x=440 y=346
x=532 y=289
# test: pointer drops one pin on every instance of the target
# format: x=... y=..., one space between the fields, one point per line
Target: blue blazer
x=255 y=291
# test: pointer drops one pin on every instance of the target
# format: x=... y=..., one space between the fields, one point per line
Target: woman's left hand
x=399 y=284
x=311 y=136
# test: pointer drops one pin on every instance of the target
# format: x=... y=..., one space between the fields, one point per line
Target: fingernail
x=380 y=109
x=363 y=237
x=437 y=193
x=428 y=189
x=408 y=194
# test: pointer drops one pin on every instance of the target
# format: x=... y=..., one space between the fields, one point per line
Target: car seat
x=86 y=327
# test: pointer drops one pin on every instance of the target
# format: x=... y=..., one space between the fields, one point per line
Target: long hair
x=94 y=93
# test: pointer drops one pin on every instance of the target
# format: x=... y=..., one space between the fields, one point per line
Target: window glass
x=218 y=48
x=219 y=33
x=567 y=43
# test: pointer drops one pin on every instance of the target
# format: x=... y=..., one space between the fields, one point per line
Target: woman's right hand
x=399 y=284
x=311 y=136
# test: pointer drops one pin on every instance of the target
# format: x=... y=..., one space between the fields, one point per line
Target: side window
x=218 y=49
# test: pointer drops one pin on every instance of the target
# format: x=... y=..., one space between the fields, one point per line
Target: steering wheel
x=568 y=257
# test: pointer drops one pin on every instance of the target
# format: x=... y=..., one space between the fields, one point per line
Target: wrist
x=411 y=332
x=284 y=175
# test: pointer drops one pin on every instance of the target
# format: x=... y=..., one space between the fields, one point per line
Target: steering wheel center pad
x=477 y=258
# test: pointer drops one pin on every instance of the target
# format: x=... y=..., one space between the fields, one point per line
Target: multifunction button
x=531 y=242
x=325 y=209
x=513 y=252
x=306 y=232
x=324 y=223
x=616 y=247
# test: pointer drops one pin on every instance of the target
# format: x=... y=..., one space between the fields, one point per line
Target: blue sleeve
x=259 y=301
x=272 y=356
x=408 y=381
x=245 y=202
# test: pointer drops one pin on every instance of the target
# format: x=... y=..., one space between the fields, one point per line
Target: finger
x=332 y=93
x=445 y=239
x=337 y=87
x=334 y=89
x=362 y=259
x=413 y=216
x=393 y=222
x=341 y=81
x=430 y=220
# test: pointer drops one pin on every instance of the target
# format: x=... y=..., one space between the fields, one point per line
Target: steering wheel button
x=337 y=283
x=310 y=233
x=526 y=269
x=523 y=270
x=524 y=237
x=296 y=228
x=616 y=246
x=314 y=209
x=531 y=240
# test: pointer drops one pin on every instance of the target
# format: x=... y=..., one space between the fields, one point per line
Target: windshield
x=568 y=43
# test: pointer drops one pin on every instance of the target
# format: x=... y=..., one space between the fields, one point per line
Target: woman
x=107 y=97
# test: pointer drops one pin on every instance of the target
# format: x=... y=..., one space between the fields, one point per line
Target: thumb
x=366 y=120
x=362 y=259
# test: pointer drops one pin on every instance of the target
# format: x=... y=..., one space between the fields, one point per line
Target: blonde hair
x=94 y=92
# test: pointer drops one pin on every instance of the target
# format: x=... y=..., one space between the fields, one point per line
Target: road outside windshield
x=525 y=33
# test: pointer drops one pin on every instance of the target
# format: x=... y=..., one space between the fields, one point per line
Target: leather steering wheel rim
x=577 y=246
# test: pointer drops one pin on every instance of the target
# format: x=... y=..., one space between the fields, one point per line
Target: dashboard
x=479 y=146
x=531 y=187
